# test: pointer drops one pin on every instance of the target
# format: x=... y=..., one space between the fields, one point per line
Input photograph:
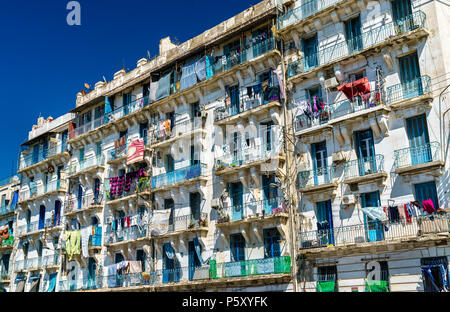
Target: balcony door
x=170 y=204
x=324 y=217
x=41 y=217
x=410 y=76
x=365 y=151
x=310 y=50
x=419 y=141
x=374 y=228
x=91 y=278
x=169 y=271
x=80 y=196
x=426 y=191
x=353 y=34
x=319 y=160
x=233 y=94
x=237 y=200
x=193 y=258
x=269 y=193
x=194 y=202
x=237 y=265
x=400 y=10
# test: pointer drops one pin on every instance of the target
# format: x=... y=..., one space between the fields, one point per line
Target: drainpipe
x=442 y=125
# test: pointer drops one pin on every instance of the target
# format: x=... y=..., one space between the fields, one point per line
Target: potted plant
x=191 y=225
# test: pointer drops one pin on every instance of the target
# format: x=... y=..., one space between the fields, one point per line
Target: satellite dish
x=87 y=86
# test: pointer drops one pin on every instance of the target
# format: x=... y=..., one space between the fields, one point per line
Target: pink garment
x=428 y=206
x=401 y=212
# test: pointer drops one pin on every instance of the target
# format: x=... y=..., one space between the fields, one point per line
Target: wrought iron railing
x=408 y=90
x=73 y=203
x=316 y=177
x=374 y=231
x=364 y=166
x=29 y=159
x=179 y=175
x=421 y=154
x=250 y=209
x=160 y=133
x=86 y=163
x=353 y=45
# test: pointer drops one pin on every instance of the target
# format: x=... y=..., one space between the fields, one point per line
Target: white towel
x=85 y=233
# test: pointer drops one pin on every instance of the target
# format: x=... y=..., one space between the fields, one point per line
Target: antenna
x=148 y=54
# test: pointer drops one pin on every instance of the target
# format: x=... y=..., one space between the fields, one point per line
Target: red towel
x=353 y=89
x=428 y=206
x=408 y=217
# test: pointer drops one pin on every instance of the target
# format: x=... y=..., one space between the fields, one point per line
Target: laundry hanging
x=359 y=87
x=163 y=87
x=189 y=75
x=200 y=68
x=135 y=151
x=168 y=250
x=375 y=213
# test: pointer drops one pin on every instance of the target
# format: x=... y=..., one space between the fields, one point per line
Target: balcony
x=37 y=226
x=399 y=94
x=179 y=176
x=36 y=191
x=7 y=209
x=248 y=53
x=340 y=110
x=126 y=234
x=319 y=180
x=86 y=164
x=305 y=10
x=95 y=241
x=28 y=160
x=247 y=105
x=7 y=243
x=240 y=158
x=187 y=222
x=253 y=210
x=117 y=154
x=421 y=228
x=364 y=170
x=87 y=127
x=127 y=109
x=89 y=283
x=369 y=39
x=426 y=157
x=141 y=185
x=214 y=273
x=87 y=202
x=48 y=261
x=164 y=135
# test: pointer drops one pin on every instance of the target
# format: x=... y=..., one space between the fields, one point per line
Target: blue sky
x=44 y=62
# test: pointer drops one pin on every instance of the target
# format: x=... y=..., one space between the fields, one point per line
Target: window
x=401 y=9
x=365 y=151
x=327 y=279
x=377 y=276
x=353 y=34
x=82 y=154
x=374 y=228
x=271 y=243
x=420 y=150
x=141 y=256
x=195 y=110
x=435 y=274
x=41 y=217
x=99 y=148
x=194 y=202
x=195 y=159
x=310 y=49
x=118 y=257
x=237 y=247
x=170 y=204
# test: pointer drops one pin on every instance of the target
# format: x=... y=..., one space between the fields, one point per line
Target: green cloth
x=76 y=242
x=326 y=286
x=376 y=286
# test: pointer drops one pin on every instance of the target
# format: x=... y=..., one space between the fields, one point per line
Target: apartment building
x=297 y=146
x=365 y=80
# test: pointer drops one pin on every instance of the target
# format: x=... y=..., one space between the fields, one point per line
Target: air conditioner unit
x=349 y=200
x=331 y=83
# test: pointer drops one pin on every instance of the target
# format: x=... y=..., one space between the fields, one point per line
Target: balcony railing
x=126 y=233
x=89 y=126
x=89 y=283
x=353 y=45
x=7 y=242
x=259 y=208
x=276 y=265
x=160 y=133
x=29 y=159
x=247 y=54
x=306 y=9
x=185 y=222
x=374 y=231
x=179 y=175
x=87 y=163
x=48 y=261
x=141 y=184
x=246 y=103
x=37 y=226
x=421 y=154
x=236 y=157
x=408 y=90
x=35 y=190
x=316 y=177
x=118 y=152
x=127 y=109
x=364 y=166
x=32 y=263
x=19 y=265
x=73 y=204
x=7 y=209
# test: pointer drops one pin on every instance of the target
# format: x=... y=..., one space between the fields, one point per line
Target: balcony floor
x=227 y=171
x=420 y=168
x=368 y=178
x=260 y=110
x=281 y=215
